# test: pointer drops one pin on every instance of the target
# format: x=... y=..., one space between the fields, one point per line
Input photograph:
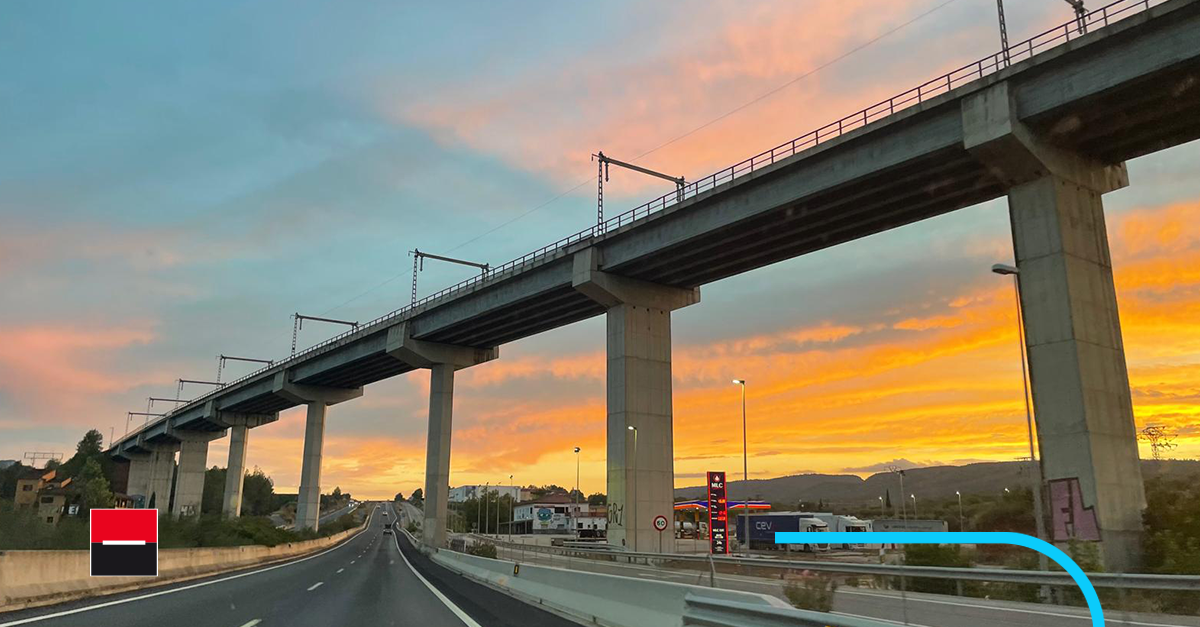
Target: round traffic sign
x=660 y=522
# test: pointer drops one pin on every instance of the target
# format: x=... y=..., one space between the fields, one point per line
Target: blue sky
x=176 y=180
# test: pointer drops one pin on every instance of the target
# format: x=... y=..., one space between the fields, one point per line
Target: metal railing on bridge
x=919 y=94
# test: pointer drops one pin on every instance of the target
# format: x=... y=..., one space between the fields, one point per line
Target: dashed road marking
x=315 y=586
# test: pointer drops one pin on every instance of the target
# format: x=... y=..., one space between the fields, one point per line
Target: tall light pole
x=512 y=514
x=882 y=513
x=962 y=525
x=745 y=467
x=574 y=524
x=498 y=510
x=914 y=498
x=903 y=505
x=633 y=501
x=1040 y=523
x=485 y=505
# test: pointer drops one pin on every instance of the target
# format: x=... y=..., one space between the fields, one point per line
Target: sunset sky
x=177 y=180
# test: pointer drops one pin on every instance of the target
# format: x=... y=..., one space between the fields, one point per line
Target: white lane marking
x=1005 y=609
x=34 y=619
x=124 y=543
x=252 y=623
x=467 y=620
x=340 y=570
x=352 y=561
x=316 y=585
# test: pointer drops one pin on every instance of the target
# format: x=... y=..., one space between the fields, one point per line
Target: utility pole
x=298 y=323
x=1003 y=33
x=1080 y=14
x=179 y=388
x=221 y=359
x=419 y=258
x=602 y=163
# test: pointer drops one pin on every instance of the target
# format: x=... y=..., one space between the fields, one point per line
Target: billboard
x=718 y=514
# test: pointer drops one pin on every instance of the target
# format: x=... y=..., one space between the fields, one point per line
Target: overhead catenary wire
x=669 y=142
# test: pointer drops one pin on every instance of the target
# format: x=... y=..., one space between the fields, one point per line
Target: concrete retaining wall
x=607 y=600
x=31 y=578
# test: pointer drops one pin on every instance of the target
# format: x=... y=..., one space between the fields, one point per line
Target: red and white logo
x=124 y=542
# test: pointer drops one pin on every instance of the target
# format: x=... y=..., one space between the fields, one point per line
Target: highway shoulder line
x=463 y=616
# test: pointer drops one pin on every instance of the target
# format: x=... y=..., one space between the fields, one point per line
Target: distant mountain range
x=933 y=482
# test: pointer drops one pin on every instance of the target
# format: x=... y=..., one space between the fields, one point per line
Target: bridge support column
x=235 y=471
x=162 y=473
x=1077 y=365
x=138 y=483
x=318 y=399
x=641 y=465
x=189 y=483
x=442 y=360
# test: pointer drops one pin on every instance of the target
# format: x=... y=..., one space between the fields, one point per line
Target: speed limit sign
x=660 y=523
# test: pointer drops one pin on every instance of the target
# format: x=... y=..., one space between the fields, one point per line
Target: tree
x=93 y=486
x=258 y=492
x=399 y=497
x=91 y=444
x=337 y=492
x=598 y=498
x=417 y=498
x=212 y=500
x=888 y=499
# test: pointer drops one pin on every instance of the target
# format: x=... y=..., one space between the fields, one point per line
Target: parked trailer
x=839 y=523
x=763 y=528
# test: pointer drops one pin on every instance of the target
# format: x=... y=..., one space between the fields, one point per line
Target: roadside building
x=559 y=514
x=33 y=481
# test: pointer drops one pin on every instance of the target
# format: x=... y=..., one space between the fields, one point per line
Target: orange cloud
x=551 y=120
x=58 y=372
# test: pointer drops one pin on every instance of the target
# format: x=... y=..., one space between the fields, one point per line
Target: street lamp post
x=882 y=513
x=485 y=507
x=1040 y=523
x=903 y=505
x=512 y=513
x=498 y=510
x=574 y=524
x=633 y=501
x=914 y=498
x=745 y=468
x=962 y=525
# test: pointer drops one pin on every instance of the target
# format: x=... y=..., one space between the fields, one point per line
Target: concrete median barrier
x=601 y=599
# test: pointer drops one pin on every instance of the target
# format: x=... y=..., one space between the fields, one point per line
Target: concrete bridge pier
x=641 y=466
x=1077 y=365
x=189 y=482
x=162 y=473
x=318 y=399
x=138 y=482
x=235 y=471
x=442 y=360
x=239 y=425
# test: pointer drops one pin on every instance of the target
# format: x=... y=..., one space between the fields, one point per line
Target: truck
x=763 y=528
x=837 y=522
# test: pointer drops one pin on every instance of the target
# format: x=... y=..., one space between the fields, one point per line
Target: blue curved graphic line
x=955 y=537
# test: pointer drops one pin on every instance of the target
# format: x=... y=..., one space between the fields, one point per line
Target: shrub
x=482 y=549
x=812 y=592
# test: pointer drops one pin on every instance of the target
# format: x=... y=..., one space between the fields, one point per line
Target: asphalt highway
x=367 y=580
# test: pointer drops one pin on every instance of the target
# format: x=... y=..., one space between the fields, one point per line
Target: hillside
x=935 y=482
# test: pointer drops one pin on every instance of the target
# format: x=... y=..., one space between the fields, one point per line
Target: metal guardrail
x=1127 y=581
x=990 y=64
x=704 y=612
